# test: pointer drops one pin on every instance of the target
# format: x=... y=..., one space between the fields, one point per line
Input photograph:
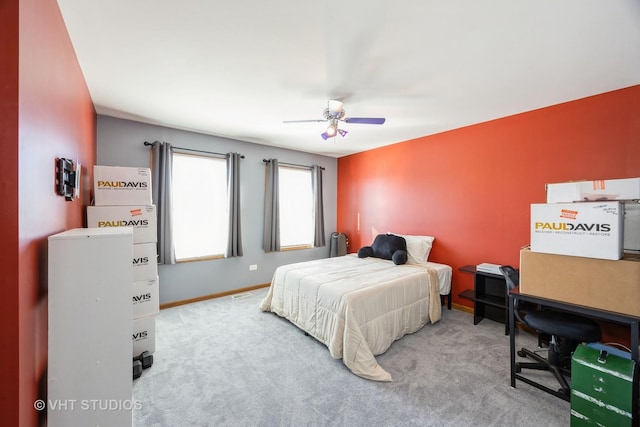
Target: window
x=200 y=219
x=296 y=207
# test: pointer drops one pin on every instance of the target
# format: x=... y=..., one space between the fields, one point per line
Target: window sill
x=295 y=248
x=203 y=258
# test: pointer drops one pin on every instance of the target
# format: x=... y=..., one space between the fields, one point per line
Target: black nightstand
x=489 y=296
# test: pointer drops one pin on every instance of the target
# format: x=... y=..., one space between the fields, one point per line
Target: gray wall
x=120 y=143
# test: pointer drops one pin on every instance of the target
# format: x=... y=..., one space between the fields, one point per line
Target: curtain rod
x=292 y=164
x=196 y=151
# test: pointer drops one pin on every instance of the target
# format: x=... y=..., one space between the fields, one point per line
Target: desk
x=608 y=316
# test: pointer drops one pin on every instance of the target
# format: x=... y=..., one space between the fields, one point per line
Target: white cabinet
x=89 y=290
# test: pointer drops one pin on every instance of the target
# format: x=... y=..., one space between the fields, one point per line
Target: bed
x=357 y=306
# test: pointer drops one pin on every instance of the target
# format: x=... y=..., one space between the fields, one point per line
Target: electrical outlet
x=253 y=267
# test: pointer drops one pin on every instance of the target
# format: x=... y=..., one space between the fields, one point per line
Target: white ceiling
x=238 y=68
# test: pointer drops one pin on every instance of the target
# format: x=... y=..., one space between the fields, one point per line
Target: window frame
x=296 y=246
x=202 y=155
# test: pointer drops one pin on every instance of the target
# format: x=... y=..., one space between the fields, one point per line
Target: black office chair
x=567 y=330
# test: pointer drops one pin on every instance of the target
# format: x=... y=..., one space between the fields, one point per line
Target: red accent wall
x=9 y=356
x=46 y=113
x=472 y=187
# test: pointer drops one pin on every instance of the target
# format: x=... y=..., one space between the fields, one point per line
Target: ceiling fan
x=334 y=114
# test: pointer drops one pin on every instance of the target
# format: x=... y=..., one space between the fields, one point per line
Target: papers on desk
x=485 y=267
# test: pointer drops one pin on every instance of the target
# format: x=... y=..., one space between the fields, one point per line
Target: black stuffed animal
x=386 y=246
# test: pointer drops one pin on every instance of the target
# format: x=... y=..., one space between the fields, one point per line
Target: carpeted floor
x=223 y=362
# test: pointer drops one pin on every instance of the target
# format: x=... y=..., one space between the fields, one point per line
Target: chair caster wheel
x=522 y=353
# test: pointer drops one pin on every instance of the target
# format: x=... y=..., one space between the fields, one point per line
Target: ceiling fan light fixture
x=335 y=107
x=332 y=131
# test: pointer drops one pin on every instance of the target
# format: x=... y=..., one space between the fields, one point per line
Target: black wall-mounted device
x=68 y=178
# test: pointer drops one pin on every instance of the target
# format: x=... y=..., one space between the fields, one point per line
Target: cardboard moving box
x=145 y=298
x=590 y=229
x=612 y=285
x=141 y=218
x=597 y=190
x=116 y=185
x=145 y=261
x=144 y=335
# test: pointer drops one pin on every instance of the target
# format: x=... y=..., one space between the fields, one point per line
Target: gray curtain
x=271 y=238
x=234 y=246
x=161 y=183
x=318 y=206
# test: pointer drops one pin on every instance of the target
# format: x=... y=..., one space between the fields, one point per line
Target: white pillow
x=374 y=233
x=418 y=248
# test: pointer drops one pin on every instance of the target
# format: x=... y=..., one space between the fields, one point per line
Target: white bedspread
x=356 y=306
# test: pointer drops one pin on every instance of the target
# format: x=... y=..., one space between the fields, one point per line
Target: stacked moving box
x=123 y=199
x=620 y=194
x=587 y=239
x=585 y=245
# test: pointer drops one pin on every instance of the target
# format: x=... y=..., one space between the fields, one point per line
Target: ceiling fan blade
x=304 y=121
x=366 y=120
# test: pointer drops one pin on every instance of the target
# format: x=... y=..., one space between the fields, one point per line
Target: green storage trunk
x=604 y=388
